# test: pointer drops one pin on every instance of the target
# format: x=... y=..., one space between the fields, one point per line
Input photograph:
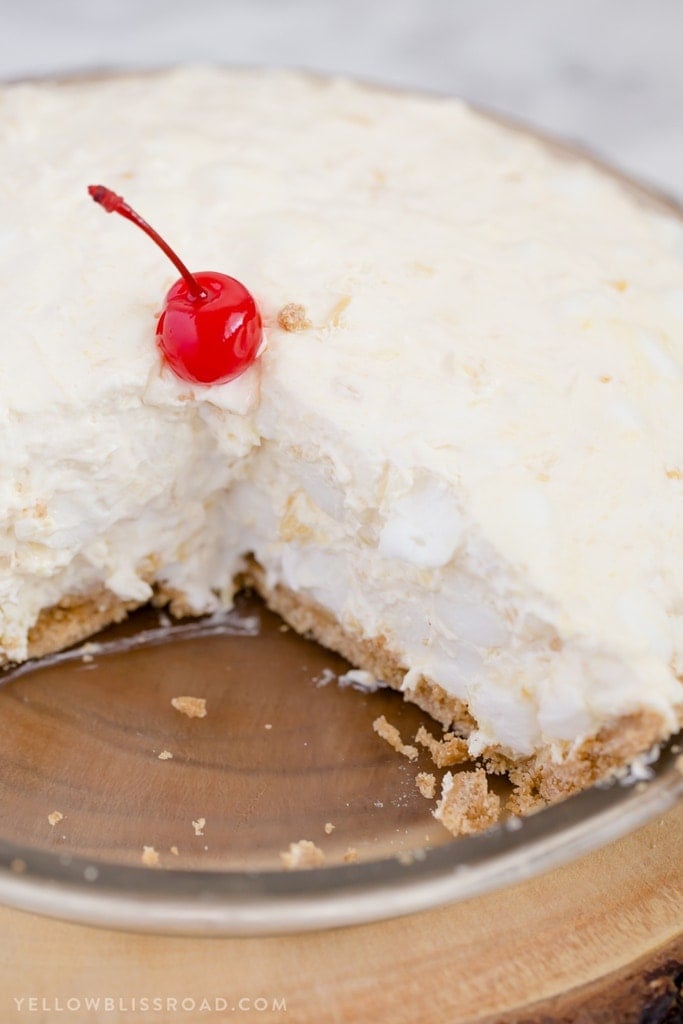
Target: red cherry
x=210 y=329
x=212 y=339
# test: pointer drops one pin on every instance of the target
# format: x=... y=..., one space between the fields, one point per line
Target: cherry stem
x=114 y=203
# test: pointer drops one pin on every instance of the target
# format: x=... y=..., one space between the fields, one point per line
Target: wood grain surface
x=596 y=942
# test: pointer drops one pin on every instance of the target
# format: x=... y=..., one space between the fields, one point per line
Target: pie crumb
x=292 y=317
x=54 y=817
x=351 y=855
x=466 y=805
x=165 y=755
x=450 y=750
x=426 y=783
x=405 y=857
x=150 y=857
x=193 y=707
x=174 y=851
x=268 y=725
x=392 y=736
x=198 y=826
x=329 y=828
x=303 y=854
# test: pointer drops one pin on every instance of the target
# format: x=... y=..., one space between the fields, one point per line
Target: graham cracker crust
x=538 y=780
x=75 y=619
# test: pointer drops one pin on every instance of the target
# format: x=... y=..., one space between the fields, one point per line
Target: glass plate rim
x=176 y=901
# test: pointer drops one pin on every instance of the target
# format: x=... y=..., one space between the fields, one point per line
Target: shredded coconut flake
x=360 y=680
x=325 y=677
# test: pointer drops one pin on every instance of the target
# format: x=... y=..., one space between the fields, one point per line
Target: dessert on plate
x=456 y=457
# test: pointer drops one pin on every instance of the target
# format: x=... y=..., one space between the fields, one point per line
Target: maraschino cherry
x=210 y=329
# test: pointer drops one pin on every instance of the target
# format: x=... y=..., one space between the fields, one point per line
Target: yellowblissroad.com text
x=141 y=1005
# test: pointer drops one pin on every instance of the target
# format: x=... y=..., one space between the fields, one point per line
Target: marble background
x=606 y=72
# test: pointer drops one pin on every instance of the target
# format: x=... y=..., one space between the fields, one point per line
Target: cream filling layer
x=120 y=496
x=414 y=570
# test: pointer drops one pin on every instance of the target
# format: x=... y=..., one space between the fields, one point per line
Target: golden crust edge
x=538 y=780
x=79 y=616
x=74 y=619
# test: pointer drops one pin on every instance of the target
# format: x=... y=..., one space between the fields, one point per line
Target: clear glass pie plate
x=283 y=751
x=88 y=789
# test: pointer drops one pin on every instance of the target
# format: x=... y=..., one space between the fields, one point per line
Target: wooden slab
x=599 y=942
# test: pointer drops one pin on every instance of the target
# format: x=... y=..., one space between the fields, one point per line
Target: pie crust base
x=545 y=777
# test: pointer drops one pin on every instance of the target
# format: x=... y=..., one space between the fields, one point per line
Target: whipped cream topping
x=475 y=451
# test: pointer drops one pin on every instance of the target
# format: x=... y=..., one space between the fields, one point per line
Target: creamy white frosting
x=475 y=451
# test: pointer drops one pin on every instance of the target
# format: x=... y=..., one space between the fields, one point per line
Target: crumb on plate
x=198 y=826
x=150 y=857
x=193 y=707
x=467 y=805
x=408 y=857
x=54 y=817
x=426 y=784
x=303 y=854
x=392 y=736
x=450 y=750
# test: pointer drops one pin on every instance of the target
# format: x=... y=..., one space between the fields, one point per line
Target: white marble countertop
x=605 y=72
